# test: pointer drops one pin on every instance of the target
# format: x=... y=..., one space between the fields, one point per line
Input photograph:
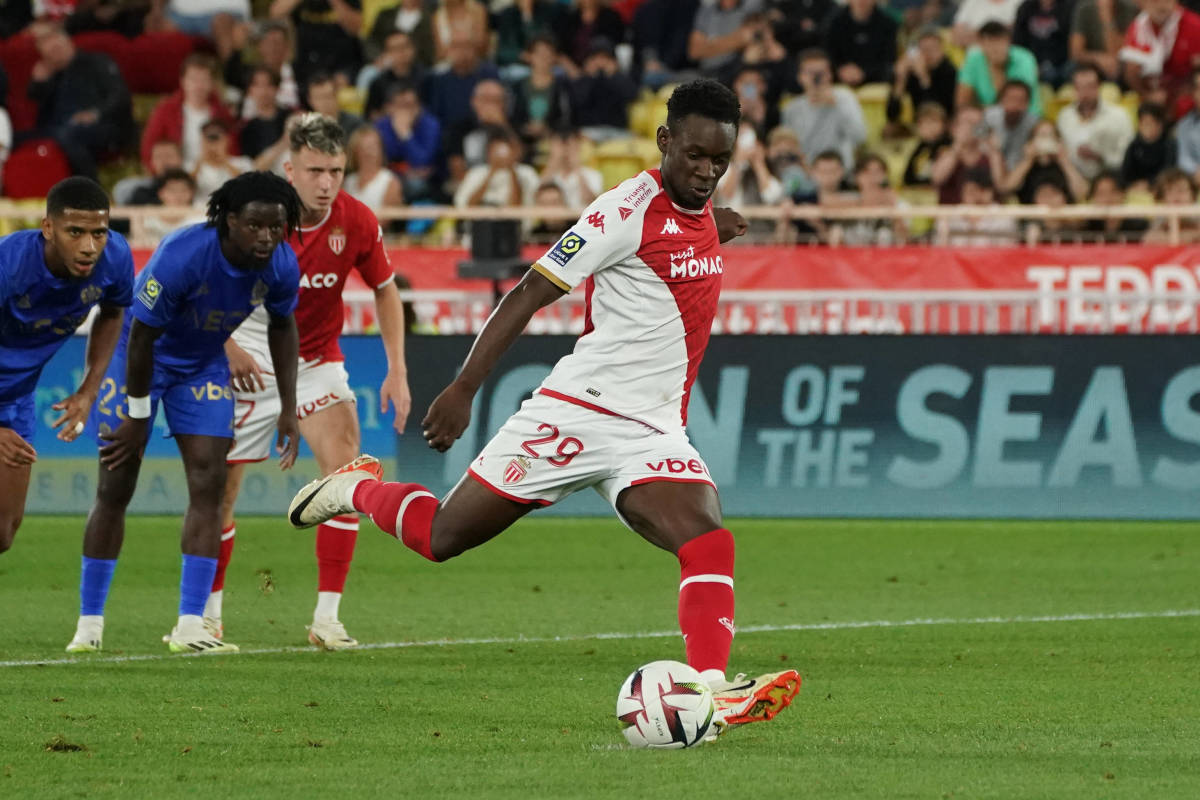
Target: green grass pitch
x=940 y=660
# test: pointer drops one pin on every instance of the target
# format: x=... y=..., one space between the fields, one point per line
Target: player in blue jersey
x=50 y=280
x=201 y=282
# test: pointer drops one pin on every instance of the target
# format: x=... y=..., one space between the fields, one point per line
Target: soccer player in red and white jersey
x=611 y=415
x=337 y=234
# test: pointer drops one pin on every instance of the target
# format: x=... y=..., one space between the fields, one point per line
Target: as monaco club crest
x=516 y=470
x=337 y=241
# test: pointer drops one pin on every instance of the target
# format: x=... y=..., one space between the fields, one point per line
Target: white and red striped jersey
x=653 y=274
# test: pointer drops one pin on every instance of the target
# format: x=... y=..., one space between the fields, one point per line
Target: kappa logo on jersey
x=670 y=226
x=516 y=470
x=624 y=212
x=150 y=292
x=596 y=220
x=566 y=248
x=337 y=240
x=259 y=293
x=24 y=302
x=319 y=280
x=90 y=294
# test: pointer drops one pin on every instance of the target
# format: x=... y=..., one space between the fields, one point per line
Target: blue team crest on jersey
x=259 y=293
x=566 y=248
x=150 y=292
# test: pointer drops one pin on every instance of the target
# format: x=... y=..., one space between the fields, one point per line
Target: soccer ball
x=665 y=705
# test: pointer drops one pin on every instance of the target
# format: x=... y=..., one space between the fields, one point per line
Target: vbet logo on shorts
x=566 y=248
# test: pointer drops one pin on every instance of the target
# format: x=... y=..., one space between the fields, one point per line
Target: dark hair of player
x=253 y=187
x=77 y=192
x=706 y=98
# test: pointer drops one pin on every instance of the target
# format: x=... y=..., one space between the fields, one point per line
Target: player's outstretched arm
x=394 y=390
x=730 y=224
x=284 y=341
x=129 y=439
x=450 y=412
x=102 y=340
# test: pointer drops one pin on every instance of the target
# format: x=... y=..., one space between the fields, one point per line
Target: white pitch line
x=799 y=626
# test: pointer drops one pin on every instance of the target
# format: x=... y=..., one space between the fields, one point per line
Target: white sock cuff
x=707 y=578
x=404 y=507
x=350 y=487
x=229 y=533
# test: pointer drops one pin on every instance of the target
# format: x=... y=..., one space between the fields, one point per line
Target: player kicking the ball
x=612 y=413
x=337 y=234
x=199 y=285
x=50 y=280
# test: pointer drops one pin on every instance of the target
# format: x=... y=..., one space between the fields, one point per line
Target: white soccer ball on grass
x=665 y=705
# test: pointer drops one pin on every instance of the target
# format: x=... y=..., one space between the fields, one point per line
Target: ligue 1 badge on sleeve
x=337 y=240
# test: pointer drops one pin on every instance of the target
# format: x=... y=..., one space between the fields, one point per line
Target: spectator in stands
x=1174 y=187
x=459 y=21
x=273 y=50
x=367 y=177
x=1161 y=49
x=410 y=16
x=580 y=183
x=829 y=190
x=465 y=144
x=925 y=74
x=861 y=41
x=768 y=56
x=397 y=64
x=83 y=102
x=932 y=139
x=786 y=161
x=1045 y=157
x=221 y=21
x=1107 y=190
x=971 y=149
x=1187 y=134
x=973 y=15
x=1151 y=151
x=721 y=30
x=799 y=24
x=874 y=191
x=518 y=26
x=1097 y=31
x=1096 y=133
x=549 y=195
x=978 y=229
x=757 y=108
x=582 y=24
x=601 y=94
x=411 y=138
x=541 y=102
x=141 y=190
x=126 y=17
x=175 y=190
x=6 y=141
x=216 y=163
x=1043 y=27
x=1011 y=122
x=1051 y=193
x=321 y=95
x=326 y=37
x=502 y=181
x=748 y=180
x=264 y=127
x=448 y=90
x=825 y=117
x=178 y=117
x=993 y=61
x=660 y=33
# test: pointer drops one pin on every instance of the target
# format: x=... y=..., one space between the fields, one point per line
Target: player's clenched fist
x=448 y=416
x=15 y=451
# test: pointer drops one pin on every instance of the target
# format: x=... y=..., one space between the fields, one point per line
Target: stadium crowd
x=546 y=102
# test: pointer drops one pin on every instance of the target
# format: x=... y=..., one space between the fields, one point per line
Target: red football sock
x=224 y=557
x=706 y=599
x=408 y=507
x=335 y=548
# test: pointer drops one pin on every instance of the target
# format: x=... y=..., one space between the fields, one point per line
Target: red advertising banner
x=1050 y=289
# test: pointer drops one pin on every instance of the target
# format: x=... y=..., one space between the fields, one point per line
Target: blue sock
x=95 y=576
x=195 y=582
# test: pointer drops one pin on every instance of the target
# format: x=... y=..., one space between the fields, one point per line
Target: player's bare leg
x=15 y=481
x=103 y=535
x=332 y=434
x=204 y=468
x=685 y=519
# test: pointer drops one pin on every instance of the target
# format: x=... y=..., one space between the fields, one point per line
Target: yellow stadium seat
x=1050 y=102
x=618 y=159
x=370 y=10
x=873 y=99
x=351 y=99
x=1130 y=102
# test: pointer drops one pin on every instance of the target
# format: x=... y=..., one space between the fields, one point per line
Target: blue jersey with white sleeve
x=190 y=290
x=39 y=310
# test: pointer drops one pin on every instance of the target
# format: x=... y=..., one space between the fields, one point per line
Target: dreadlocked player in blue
x=201 y=282
x=50 y=280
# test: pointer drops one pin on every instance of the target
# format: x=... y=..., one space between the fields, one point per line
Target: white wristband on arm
x=139 y=407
